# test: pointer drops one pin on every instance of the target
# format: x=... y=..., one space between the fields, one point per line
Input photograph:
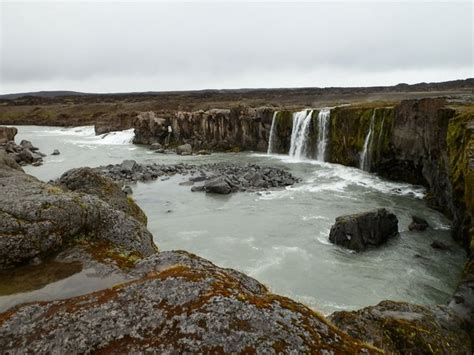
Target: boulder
x=28 y=145
x=185 y=149
x=179 y=303
x=218 y=185
x=7 y=134
x=38 y=218
x=128 y=166
x=404 y=328
x=55 y=152
x=90 y=181
x=27 y=156
x=359 y=231
x=418 y=224
x=156 y=146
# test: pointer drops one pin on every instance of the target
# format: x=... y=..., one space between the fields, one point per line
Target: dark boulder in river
x=359 y=231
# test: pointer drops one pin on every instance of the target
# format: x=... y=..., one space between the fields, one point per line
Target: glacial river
x=278 y=237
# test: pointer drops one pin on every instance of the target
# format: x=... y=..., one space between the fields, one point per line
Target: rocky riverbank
x=24 y=153
x=218 y=177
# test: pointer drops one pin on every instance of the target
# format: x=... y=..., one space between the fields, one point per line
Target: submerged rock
x=404 y=328
x=359 y=231
x=440 y=245
x=179 y=303
x=56 y=152
x=418 y=224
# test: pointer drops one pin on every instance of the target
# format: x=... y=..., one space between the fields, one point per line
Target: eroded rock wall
x=240 y=128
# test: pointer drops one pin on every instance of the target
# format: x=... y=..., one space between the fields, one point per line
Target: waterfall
x=271 y=138
x=366 y=152
x=323 y=129
x=300 y=134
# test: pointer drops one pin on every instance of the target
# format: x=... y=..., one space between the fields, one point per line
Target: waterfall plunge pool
x=279 y=237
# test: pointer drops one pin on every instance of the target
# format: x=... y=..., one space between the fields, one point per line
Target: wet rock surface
x=180 y=303
x=418 y=224
x=404 y=328
x=359 y=231
x=221 y=178
x=39 y=218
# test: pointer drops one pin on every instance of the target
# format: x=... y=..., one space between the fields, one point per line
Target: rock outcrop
x=24 y=153
x=403 y=328
x=7 y=134
x=39 y=218
x=359 y=231
x=90 y=181
x=179 y=303
x=218 y=129
x=246 y=177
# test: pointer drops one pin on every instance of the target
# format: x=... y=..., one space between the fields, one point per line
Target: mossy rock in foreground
x=404 y=328
x=178 y=303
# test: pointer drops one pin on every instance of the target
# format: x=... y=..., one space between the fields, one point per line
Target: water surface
x=279 y=237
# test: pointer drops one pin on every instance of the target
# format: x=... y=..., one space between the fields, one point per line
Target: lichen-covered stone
x=182 y=304
x=404 y=328
x=90 y=181
x=37 y=218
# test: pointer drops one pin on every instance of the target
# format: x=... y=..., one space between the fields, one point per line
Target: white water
x=271 y=139
x=114 y=138
x=364 y=160
x=323 y=129
x=300 y=134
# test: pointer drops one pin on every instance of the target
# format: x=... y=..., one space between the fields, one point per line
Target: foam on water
x=112 y=138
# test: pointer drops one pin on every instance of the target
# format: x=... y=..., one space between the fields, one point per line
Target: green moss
x=349 y=128
x=460 y=142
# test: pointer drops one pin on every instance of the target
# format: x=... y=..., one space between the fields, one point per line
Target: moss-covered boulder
x=90 y=181
x=38 y=219
x=404 y=328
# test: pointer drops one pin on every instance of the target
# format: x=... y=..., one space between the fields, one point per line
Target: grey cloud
x=227 y=44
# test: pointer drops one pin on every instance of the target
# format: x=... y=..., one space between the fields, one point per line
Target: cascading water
x=323 y=129
x=271 y=138
x=300 y=134
x=364 y=163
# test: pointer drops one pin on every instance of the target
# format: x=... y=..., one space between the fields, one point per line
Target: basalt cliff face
x=240 y=128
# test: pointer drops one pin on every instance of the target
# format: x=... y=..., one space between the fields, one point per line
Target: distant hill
x=42 y=94
x=437 y=86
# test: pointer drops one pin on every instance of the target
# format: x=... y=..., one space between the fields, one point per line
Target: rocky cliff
x=239 y=128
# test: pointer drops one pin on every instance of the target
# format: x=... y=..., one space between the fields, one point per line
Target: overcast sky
x=119 y=47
